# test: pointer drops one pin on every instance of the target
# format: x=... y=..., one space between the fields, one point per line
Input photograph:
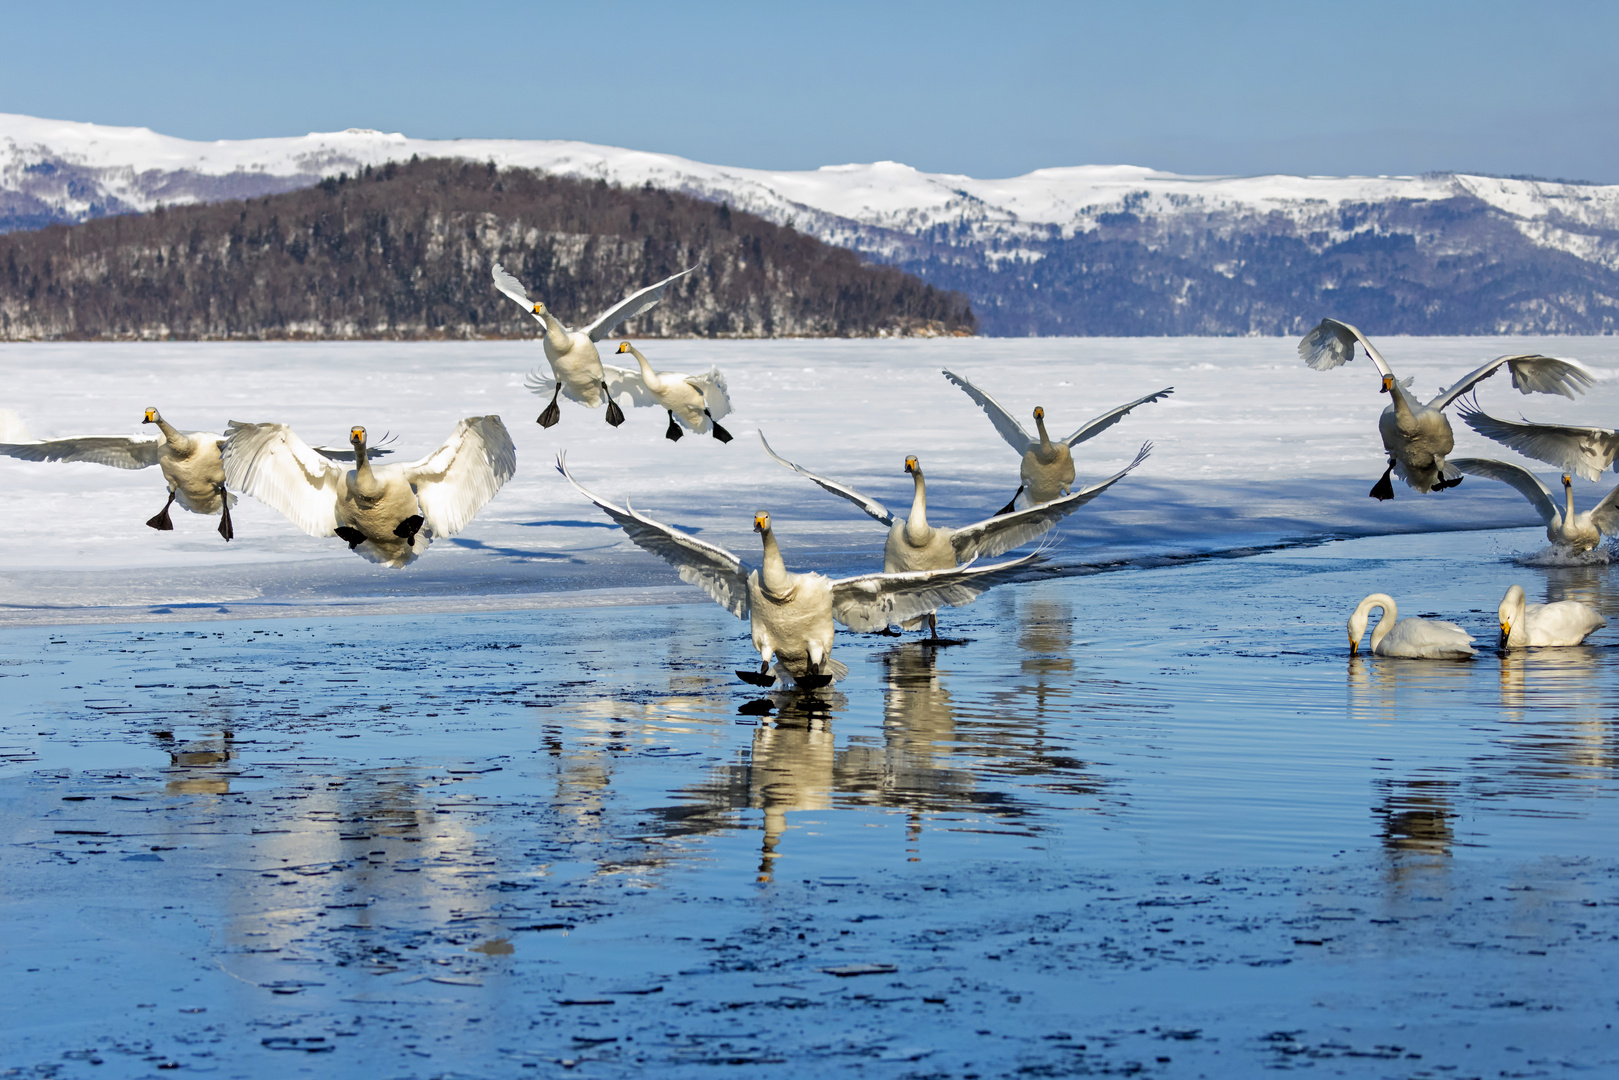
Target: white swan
x=1584 y=451
x=913 y=544
x=388 y=515
x=1047 y=469
x=1418 y=639
x=791 y=615
x=1526 y=625
x=188 y=460
x=1416 y=436
x=1581 y=532
x=698 y=401
x=576 y=366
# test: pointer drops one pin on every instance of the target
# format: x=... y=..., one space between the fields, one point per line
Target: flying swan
x=698 y=401
x=388 y=515
x=1047 y=470
x=1579 y=532
x=1584 y=451
x=1526 y=625
x=1416 y=639
x=1416 y=436
x=913 y=544
x=791 y=615
x=576 y=366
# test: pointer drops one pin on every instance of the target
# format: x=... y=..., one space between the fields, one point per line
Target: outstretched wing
x=455 y=481
x=622 y=382
x=1605 y=514
x=631 y=306
x=1332 y=344
x=709 y=567
x=871 y=506
x=514 y=289
x=873 y=601
x=1010 y=429
x=716 y=395
x=1532 y=373
x=1092 y=428
x=1585 y=451
x=119 y=451
x=1007 y=531
x=1527 y=483
x=272 y=464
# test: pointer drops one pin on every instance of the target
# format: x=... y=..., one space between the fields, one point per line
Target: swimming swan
x=1584 y=451
x=1416 y=436
x=1581 y=532
x=1047 y=469
x=1417 y=639
x=576 y=366
x=791 y=615
x=388 y=515
x=1567 y=622
x=697 y=400
x=913 y=544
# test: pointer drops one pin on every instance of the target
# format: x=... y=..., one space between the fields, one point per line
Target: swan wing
x=716 y=395
x=1584 y=451
x=455 y=481
x=1092 y=428
x=1605 y=514
x=1007 y=531
x=514 y=289
x=1427 y=639
x=873 y=601
x=622 y=382
x=631 y=306
x=708 y=566
x=1527 y=483
x=119 y=451
x=272 y=464
x=1532 y=373
x=874 y=509
x=1010 y=429
x=1332 y=344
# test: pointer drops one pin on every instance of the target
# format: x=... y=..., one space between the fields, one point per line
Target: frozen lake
x=511 y=814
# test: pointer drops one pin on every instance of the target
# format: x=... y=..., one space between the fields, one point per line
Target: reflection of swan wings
x=1006 y=531
x=873 y=601
x=514 y=289
x=1094 y=427
x=119 y=451
x=1332 y=344
x=1010 y=429
x=272 y=464
x=871 y=506
x=1584 y=451
x=455 y=481
x=1527 y=483
x=1532 y=373
x=711 y=568
x=629 y=307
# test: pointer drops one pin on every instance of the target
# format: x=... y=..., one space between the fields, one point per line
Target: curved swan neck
x=646 y=369
x=173 y=435
x=916 y=525
x=1357 y=621
x=773 y=570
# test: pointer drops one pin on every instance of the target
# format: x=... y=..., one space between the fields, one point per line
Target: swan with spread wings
x=387 y=515
x=1584 y=451
x=1417 y=436
x=576 y=366
x=1578 y=532
x=791 y=615
x=698 y=401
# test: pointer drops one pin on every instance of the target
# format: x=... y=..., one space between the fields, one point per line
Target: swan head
x=912 y=466
x=1567 y=482
x=538 y=308
x=623 y=347
x=1511 y=609
x=1388 y=385
x=357 y=436
x=761 y=522
x=151 y=416
x=1039 y=413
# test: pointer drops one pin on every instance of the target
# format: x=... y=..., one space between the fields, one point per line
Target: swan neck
x=773 y=571
x=1391 y=613
x=1046 y=446
x=916 y=525
x=555 y=334
x=646 y=369
x=1568 y=507
x=173 y=435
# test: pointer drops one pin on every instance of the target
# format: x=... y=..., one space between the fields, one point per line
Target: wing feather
x=272 y=464
x=1007 y=531
x=455 y=481
x=872 y=601
x=1605 y=514
x=514 y=289
x=632 y=305
x=622 y=382
x=716 y=395
x=872 y=507
x=1092 y=428
x=1332 y=344
x=119 y=451
x=1527 y=483
x=1532 y=373
x=1010 y=430
x=1586 y=451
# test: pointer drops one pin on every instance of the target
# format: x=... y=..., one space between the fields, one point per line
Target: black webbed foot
x=161 y=520
x=719 y=433
x=1383 y=491
x=1442 y=485
x=888 y=631
x=757 y=678
x=354 y=536
x=1011 y=506
x=615 y=415
x=406 y=530
x=674 y=433
x=225 y=528
x=552 y=413
x=812 y=680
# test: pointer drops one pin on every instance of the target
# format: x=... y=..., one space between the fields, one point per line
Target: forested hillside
x=403 y=252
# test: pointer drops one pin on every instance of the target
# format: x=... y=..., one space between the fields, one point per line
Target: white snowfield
x=867 y=206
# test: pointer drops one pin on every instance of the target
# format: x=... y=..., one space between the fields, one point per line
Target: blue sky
x=987 y=89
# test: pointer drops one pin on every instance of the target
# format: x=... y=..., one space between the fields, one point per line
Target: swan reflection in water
x=198 y=766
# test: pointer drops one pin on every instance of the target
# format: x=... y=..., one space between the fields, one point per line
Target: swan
x=1584 y=451
x=1416 y=436
x=1526 y=625
x=1417 y=639
x=791 y=615
x=1047 y=470
x=698 y=400
x=913 y=544
x=188 y=460
x=1581 y=532
x=576 y=366
x=388 y=515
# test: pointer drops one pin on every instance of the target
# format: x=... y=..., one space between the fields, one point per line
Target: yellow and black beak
x=1354 y=647
x=1567 y=482
x=1506 y=632
x=1388 y=384
x=1039 y=413
x=538 y=309
x=151 y=417
x=761 y=522
x=911 y=465
x=623 y=346
x=357 y=434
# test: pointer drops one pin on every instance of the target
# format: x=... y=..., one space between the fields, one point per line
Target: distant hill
x=404 y=252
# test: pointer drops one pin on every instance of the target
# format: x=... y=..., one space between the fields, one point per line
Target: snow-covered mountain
x=1088 y=249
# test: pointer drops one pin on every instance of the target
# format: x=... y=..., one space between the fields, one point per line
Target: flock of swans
x=390 y=513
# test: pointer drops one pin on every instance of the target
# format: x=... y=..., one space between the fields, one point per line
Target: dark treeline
x=403 y=252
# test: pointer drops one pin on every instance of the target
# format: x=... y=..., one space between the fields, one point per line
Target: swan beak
x=1039 y=413
x=911 y=466
x=761 y=522
x=1354 y=646
x=1506 y=632
x=151 y=417
x=357 y=434
x=1567 y=482
x=1388 y=384
x=623 y=346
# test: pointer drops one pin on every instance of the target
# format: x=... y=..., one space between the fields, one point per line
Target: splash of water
x=1557 y=555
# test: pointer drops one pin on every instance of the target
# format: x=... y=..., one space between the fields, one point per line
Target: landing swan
x=913 y=544
x=188 y=460
x=791 y=615
x=1047 y=470
x=698 y=401
x=1526 y=625
x=1584 y=451
x=1416 y=436
x=1417 y=639
x=388 y=515
x=1581 y=532
x=576 y=366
